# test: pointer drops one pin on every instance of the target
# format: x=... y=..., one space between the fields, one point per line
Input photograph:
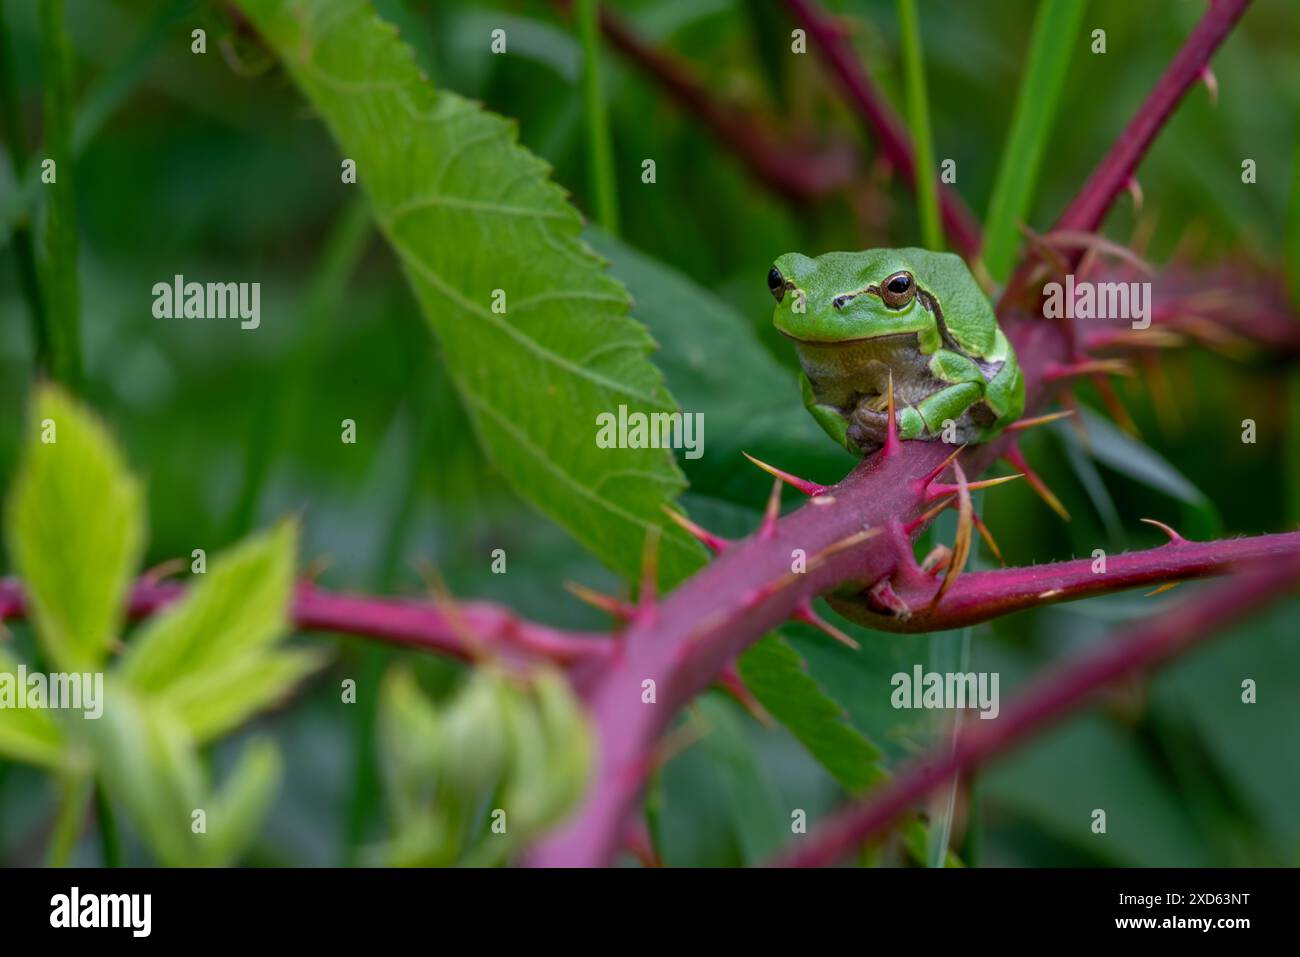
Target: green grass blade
x=1291 y=267
x=60 y=264
x=11 y=126
x=918 y=117
x=1056 y=30
x=600 y=151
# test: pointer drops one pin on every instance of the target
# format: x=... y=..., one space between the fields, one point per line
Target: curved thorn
x=714 y=543
x=1211 y=84
x=927 y=515
x=1167 y=586
x=734 y=685
x=1017 y=460
x=164 y=569
x=806 y=614
x=1070 y=370
x=1114 y=405
x=883 y=596
x=935 y=472
x=961 y=542
x=942 y=488
x=938 y=560
x=1134 y=189
x=803 y=485
x=1023 y=424
x=1174 y=537
x=988 y=538
x=620 y=609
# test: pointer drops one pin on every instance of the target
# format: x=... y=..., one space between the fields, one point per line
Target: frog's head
x=851 y=296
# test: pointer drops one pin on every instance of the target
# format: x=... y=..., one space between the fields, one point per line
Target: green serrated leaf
x=536 y=335
x=760 y=824
x=26 y=734
x=239 y=607
x=75 y=528
x=235 y=815
x=777 y=676
x=716 y=366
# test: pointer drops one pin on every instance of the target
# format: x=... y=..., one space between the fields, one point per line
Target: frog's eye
x=776 y=284
x=897 y=291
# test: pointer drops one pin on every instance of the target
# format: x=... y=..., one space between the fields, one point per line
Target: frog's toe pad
x=910 y=423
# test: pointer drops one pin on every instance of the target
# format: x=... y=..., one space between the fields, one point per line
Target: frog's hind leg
x=832 y=423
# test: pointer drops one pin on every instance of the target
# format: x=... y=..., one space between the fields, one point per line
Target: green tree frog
x=858 y=317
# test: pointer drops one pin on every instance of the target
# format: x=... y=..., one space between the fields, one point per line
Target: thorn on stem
x=928 y=515
x=988 y=539
x=805 y=613
x=1017 y=459
x=962 y=542
x=1070 y=370
x=1211 y=84
x=935 y=472
x=939 y=489
x=734 y=685
x=803 y=485
x=939 y=559
x=1114 y=405
x=883 y=597
x=1167 y=586
x=165 y=569
x=1174 y=537
x=1134 y=189
x=714 y=543
x=622 y=610
x=1022 y=424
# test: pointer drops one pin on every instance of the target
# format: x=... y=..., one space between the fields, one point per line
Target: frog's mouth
x=829 y=343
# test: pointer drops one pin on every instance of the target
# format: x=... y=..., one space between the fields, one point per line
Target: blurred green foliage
x=213 y=165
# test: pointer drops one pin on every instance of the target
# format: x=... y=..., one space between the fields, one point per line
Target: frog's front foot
x=870 y=427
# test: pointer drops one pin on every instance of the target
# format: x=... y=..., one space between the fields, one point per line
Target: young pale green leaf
x=148 y=763
x=75 y=526
x=26 y=734
x=213 y=702
x=778 y=677
x=235 y=610
x=537 y=337
x=410 y=743
x=235 y=815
